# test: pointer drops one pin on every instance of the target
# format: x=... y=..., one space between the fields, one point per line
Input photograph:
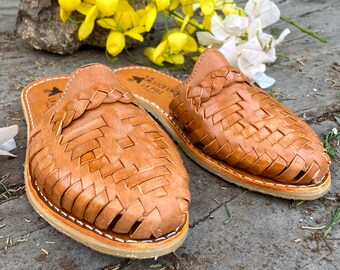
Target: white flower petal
x=7 y=142
x=7 y=133
x=230 y=50
x=9 y=145
x=235 y=24
x=265 y=10
x=255 y=31
x=249 y=69
x=217 y=28
x=263 y=80
x=256 y=57
x=254 y=53
x=282 y=36
x=6 y=153
x=207 y=39
x=260 y=46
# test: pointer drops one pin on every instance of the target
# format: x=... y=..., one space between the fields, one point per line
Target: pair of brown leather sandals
x=102 y=171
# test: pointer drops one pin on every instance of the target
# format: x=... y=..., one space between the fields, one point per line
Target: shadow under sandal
x=234 y=129
x=100 y=169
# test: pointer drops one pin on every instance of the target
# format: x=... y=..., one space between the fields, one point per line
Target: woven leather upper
x=233 y=121
x=104 y=160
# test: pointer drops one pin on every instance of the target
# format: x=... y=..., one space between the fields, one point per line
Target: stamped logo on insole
x=53 y=91
x=150 y=84
x=53 y=96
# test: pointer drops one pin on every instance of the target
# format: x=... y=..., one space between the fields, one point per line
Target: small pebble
x=45 y=251
x=318 y=220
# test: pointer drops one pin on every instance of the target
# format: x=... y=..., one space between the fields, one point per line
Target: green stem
x=230 y=216
x=283 y=55
x=165 y=22
x=179 y=16
x=304 y=30
x=335 y=221
x=74 y=21
x=110 y=58
x=329 y=149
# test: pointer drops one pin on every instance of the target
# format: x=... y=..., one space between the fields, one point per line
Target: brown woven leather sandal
x=99 y=168
x=234 y=129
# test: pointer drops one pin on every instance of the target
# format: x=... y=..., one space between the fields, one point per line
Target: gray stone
x=39 y=24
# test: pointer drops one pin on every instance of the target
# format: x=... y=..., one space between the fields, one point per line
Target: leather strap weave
x=104 y=160
x=233 y=121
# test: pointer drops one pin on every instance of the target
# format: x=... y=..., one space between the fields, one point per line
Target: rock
x=39 y=24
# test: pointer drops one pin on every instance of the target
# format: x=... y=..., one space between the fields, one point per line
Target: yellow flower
x=66 y=7
x=172 y=48
x=149 y=17
x=107 y=7
x=115 y=43
x=162 y=4
x=149 y=52
x=187 y=7
x=125 y=16
x=69 y=5
x=84 y=8
x=87 y=25
x=207 y=6
x=232 y=9
x=174 y=45
x=135 y=33
x=64 y=15
x=207 y=21
x=228 y=7
x=116 y=39
x=107 y=23
x=173 y=4
x=177 y=42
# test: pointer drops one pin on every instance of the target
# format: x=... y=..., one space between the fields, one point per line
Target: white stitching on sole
x=88 y=227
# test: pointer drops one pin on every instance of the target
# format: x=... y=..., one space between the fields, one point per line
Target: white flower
x=248 y=68
x=217 y=36
x=235 y=24
x=250 y=55
x=259 y=49
x=264 y=10
x=335 y=131
x=221 y=30
x=230 y=50
x=7 y=142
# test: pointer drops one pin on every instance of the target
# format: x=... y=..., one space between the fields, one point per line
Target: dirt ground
x=264 y=232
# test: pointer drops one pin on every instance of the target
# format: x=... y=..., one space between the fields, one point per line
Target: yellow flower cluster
x=123 y=20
